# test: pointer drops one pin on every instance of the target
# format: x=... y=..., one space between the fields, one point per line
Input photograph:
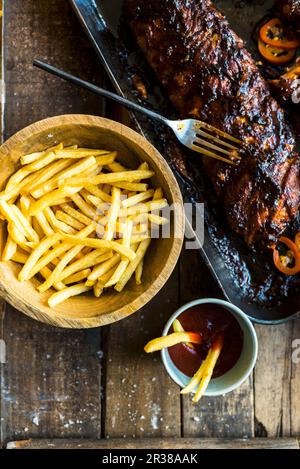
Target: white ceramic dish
x=233 y=378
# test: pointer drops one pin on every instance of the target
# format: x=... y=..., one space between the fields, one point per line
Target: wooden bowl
x=85 y=310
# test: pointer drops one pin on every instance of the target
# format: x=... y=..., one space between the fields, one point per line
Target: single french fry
x=131 y=186
x=169 y=340
x=70 y=170
x=43 y=223
x=19 y=257
x=158 y=194
x=68 y=292
x=112 y=214
x=139 y=273
x=157 y=219
x=197 y=376
x=211 y=361
x=43 y=246
x=18 y=237
x=95 y=257
x=77 y=214
x=128 y=176
x=36 y=226
x=102 y=244
x=57 y=224
x=140 y=253
x=86 y=209
x=94 y=190
x=109 y=158
x=9 y=250
x=126 y=240
x=178 y=328
x=143 y=207
x=30 y=234
x=83 y=274
x=69 y=220
x=136 y=199
x=24 y=205
x=116 y=167
x=51 y=199
x=79 y=153
x=9 y=214
x=26 y=159
x=98 y=289
x=103 y=267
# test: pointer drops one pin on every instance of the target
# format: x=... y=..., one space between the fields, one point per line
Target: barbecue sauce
x=209 y=320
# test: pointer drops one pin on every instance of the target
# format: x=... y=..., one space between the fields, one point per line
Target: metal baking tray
x=104 y=23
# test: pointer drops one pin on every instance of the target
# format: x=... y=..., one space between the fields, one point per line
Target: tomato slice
x=274 y=34
x=275 y=55
x=296 y=254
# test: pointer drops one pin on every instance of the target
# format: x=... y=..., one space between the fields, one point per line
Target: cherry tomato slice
x=274 y=55
x=274 y=34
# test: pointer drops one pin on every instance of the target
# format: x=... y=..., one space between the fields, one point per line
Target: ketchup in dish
x=209 y=320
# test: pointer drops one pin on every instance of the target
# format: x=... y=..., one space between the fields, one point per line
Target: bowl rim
x=242 y=316
x=11 y=296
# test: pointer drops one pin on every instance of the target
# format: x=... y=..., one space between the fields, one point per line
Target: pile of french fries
x=79 y=220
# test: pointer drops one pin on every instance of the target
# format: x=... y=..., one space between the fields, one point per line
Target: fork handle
x=101 y=91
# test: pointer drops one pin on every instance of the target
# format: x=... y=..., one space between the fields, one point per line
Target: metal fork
x=192 y=133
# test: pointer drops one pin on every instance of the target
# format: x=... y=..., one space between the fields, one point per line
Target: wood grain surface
x=160 y=443
x=98 y=383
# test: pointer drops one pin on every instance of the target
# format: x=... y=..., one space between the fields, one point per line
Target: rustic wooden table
x=98 y=383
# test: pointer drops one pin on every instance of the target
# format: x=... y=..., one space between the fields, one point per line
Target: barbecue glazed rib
x=208 y=74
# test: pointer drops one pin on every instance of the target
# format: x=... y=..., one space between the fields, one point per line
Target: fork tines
x=222 y=143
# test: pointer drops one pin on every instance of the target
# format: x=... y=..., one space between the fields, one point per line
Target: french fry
x=67 y=172
x=197 y=376
x=98 y=289
x=9 y=250
x=57 y=224
x=77 y=277
x=43 y=246
x=43 y=223
x=69 y=220
x=139 y=273
x=114 y=279
x=178 y=328
x=135 y=199
x=26 y=159
x=169 y=340
x=211 y=361
x=109 y=178
x=18 y=237
x=41 y=177
x=84 y=207
x=59 y=250
x=68 y=292
x=9 y=214
x=79 y=153
x=94 y=190
x=157 y=219
x=143 y=207
x=131 y=186
x=95 y=257
x=51 y=199
x=76 y=214
x=116 y=167
x=30 y=234
x=140 y=253
x=102 y=244
x=103 y=267
x=113 y=213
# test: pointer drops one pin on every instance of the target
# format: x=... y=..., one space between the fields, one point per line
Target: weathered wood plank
x=160 y=443
x=295 y=379
x=51 y=380
x=224 y=416
x=140 y=398
x=272 y=381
